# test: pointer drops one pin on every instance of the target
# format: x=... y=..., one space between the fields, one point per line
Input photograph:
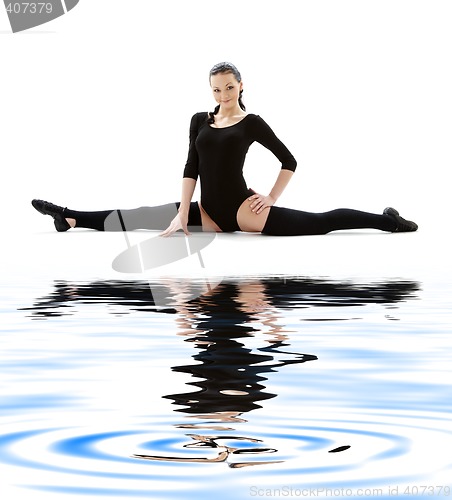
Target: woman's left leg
x=280 y=221
x=287 y=222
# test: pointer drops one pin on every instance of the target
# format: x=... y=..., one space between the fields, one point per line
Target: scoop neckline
x=230 y=126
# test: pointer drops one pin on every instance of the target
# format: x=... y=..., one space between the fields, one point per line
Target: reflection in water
x=281 y=292
x=340 y=448
x=229 y=376
x=63 y=300
x=223 y=451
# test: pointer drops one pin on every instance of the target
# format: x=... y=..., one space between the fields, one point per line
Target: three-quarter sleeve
x=191 y=166
x=264 y=135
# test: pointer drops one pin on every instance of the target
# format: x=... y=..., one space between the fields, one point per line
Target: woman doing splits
x=219 y=142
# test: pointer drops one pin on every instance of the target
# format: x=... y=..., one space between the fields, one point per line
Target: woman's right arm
x=181 y=219
x=188 y=182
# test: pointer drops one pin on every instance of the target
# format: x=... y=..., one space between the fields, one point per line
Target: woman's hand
x=179 y=222
x=259 y=202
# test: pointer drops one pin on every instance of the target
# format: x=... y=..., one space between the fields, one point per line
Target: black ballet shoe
x=55 y=211
x=402 y=225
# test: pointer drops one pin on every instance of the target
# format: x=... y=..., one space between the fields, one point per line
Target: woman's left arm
x=264 y=135
x=259 y=202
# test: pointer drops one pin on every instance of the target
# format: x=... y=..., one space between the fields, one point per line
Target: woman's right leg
x=157 y=218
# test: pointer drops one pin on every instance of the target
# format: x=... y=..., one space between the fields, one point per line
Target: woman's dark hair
x=224 y=68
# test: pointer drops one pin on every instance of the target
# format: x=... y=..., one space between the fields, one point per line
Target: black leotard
x=217 y=156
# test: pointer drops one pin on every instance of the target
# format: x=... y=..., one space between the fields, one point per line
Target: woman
x=219 y=141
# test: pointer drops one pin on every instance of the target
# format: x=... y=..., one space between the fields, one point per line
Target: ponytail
x=211 y=118
x=241 y=102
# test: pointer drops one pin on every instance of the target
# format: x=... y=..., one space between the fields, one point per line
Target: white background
x=96 y=105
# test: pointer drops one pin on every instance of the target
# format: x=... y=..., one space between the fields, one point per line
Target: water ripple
x=300 y=449
x=271 y=382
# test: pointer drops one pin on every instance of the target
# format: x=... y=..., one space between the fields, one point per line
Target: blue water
x=281 y=386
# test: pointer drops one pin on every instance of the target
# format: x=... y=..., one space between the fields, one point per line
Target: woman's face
x=226 y=89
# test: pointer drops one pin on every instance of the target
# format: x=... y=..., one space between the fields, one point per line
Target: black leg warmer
x=288 y=222
x=158 y=218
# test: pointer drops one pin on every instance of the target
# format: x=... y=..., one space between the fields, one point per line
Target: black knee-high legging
x=288 y=222
x=280 y=222
x=158 y=217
